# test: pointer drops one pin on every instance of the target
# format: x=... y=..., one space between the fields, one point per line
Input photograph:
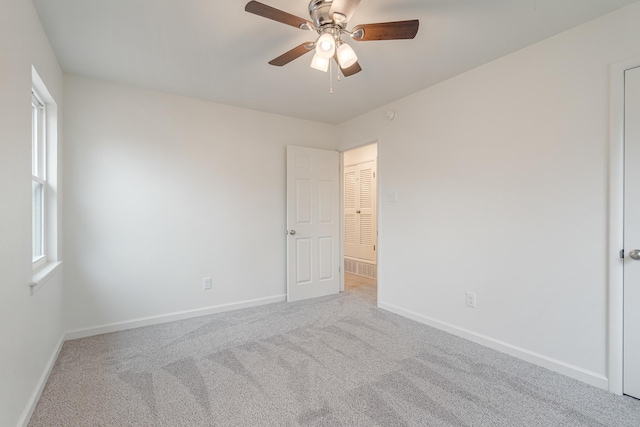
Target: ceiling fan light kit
x=325 y=46
x=346 y=56
x=329 y=20
x=319 y=63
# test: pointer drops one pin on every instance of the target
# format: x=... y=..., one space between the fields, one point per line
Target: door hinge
x=622 y=253
x=374 y=174
x=374 y=247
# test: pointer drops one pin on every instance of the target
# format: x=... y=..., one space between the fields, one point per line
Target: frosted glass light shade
x=346 y=56
x=325 y=46
x=320 y=63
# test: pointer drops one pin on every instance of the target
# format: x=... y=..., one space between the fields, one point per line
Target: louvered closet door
x=360 y=211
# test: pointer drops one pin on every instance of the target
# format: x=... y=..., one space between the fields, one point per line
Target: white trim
x=616 y=223
x=580 y=374
x=379 y=217
x=164 y=318
x=341 y=207
x=362 y=143
x=42 y=275
x=35 y=397
x=39 y=262
x=39 y=160
x=362 y=260
x=49 y=176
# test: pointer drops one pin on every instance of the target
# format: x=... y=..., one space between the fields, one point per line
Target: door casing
x=378 y=216
x=615 y=371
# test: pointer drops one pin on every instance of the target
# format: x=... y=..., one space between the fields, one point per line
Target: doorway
x=624 y=237
x=360 y=221
x=631 y=265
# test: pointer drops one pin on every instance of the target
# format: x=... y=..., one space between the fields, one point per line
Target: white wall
x=30 y=327
x=501 y=175
x=163 y=190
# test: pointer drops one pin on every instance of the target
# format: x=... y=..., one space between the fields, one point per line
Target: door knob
x=292 y=232
x=635 y=254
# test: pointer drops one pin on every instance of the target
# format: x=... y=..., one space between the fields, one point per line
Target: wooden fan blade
x=269 y=12
x=386 y=30
x=289 y=56
x=354 y=69
x=345 y=7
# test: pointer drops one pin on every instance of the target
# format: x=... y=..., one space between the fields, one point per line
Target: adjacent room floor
x=364 y=286
x=331 y=361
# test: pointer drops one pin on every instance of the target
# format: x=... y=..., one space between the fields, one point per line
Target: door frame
x=616 y=223
x=350 y=147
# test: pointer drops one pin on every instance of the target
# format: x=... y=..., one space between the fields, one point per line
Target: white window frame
x=44 y=174
x=39 y=180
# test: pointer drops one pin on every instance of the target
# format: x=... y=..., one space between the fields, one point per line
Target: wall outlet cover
x=471 y=299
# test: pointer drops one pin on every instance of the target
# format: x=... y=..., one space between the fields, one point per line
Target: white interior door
x=631 y=384
x=313 y=223
x=360 y=225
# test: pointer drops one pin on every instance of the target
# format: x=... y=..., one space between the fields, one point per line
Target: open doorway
x=360 y=219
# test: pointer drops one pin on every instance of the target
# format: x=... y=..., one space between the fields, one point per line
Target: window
x=44 y=183
x=38 y=178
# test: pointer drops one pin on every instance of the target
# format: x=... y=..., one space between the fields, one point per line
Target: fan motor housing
x=319 y=11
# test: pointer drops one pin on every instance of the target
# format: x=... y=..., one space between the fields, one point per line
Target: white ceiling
x=214 y=50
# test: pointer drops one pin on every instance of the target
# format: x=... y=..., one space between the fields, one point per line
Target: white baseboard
x=35 y=397
x=563 y=368
x=164 y=318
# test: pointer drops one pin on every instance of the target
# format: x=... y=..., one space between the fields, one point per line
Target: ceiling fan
x=329 y=19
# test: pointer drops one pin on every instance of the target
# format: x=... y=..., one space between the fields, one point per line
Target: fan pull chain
x=330 y=77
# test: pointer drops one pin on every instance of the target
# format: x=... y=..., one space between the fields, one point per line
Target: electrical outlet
x=206 y=283
x=471 y=299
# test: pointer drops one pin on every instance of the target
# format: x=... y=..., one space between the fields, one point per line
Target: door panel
x=325 y=201
x=303 y=201
x=631 y=384
x=366 y=230
x=350 y=230
x=326 y=261
x=313 y=223
x=303 y=261
x=366 y=185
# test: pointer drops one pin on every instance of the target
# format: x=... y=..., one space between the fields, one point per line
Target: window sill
x=42 y=275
